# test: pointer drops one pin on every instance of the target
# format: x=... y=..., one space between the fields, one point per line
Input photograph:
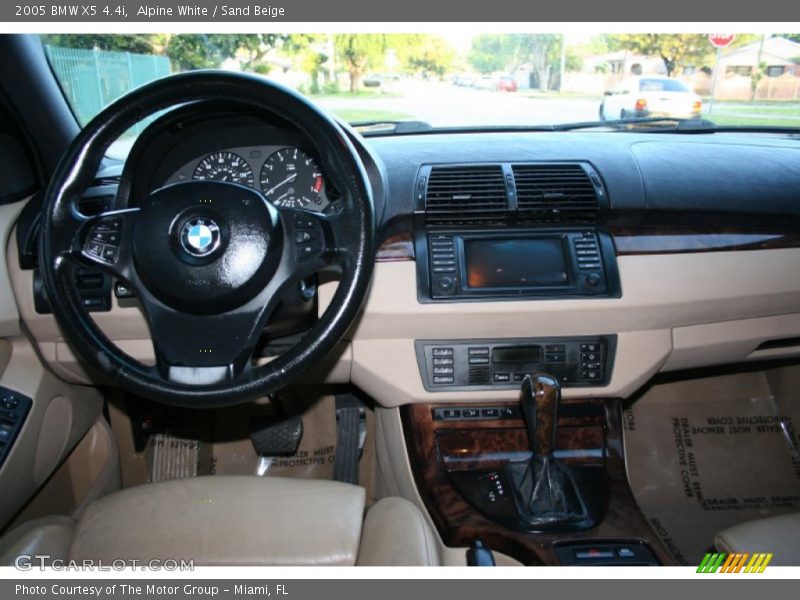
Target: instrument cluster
x=288 y=176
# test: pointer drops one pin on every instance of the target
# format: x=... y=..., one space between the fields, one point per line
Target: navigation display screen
x=515 y=263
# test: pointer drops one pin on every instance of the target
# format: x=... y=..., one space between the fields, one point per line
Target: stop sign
x=720 y=40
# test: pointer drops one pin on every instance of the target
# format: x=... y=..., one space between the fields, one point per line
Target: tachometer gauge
x=224 y=166
x=292 y=179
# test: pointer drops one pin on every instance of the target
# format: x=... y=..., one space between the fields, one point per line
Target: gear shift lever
x=545 y=492
x=539 y=398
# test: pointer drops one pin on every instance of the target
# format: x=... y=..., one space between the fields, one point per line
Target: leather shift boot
x=545 y=493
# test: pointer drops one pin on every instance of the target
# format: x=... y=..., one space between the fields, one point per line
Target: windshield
x=662 y=85
x=463 y=80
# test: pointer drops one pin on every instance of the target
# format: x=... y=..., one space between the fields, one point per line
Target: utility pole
x=563 y=65
x=331 y=59
x=719 y=41
x=756 y=75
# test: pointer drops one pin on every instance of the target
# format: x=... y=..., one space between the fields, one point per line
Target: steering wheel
x=208 y=260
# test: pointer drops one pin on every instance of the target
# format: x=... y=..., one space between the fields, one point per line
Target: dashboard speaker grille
x=464 y=195
x=555 y=193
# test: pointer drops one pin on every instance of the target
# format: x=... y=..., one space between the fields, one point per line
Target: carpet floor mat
x=705 y=454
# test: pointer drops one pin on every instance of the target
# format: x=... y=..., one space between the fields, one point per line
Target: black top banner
x=361 y=11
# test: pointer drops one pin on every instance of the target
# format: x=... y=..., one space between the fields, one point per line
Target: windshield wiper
x=640 y=125
x=674 y=125
x=384 y=126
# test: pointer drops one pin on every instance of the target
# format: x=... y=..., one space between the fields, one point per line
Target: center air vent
x=465 y=195
x=555 y=193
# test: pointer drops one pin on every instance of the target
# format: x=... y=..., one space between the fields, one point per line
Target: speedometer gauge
x=292 y=179
x=224 y=166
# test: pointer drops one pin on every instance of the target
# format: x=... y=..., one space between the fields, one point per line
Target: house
x=623 y=63
x=781 y=56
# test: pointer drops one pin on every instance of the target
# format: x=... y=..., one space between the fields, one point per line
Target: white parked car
x=485 y=83
x=646 y=96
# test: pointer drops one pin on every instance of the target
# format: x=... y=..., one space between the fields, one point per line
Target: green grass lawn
x=722 y=119
x=352 y=115
x=365 y=94
x=758 y=113
x=759 y=109
x=554 y=95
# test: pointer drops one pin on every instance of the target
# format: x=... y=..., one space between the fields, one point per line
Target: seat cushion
x=396 y=533
x=48 y=536
x=232 y=520
x=777 y=535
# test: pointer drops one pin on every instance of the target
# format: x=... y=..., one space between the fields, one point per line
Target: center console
x=541 y=480
x=460 y=456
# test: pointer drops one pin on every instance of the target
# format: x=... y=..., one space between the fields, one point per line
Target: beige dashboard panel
x=660 y=293
x=734 y=341
x=663 y=298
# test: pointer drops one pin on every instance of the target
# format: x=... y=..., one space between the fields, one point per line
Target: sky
x=461 y=40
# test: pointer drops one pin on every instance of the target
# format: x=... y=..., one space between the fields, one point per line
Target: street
x=443 y=104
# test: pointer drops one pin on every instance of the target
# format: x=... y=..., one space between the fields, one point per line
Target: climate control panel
x=502 y=364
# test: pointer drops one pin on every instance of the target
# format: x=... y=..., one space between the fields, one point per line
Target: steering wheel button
x=309 y=249
x=110 y=253
x=94 y=249
x=301 y=222
x=305 y=235
x=113 y=225
x=106 y=237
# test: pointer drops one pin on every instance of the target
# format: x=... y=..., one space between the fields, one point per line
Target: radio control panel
x=502 y=364
x=516 y=264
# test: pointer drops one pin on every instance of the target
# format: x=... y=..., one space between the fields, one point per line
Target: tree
x=489 y=53
x=792 y=37
x=310 y=53
x=422 y=53
x=360 y=51
x=201 y=51
x=674 y=49
x=508 y=52
x=544 y=51
x=136 y=44
x=255 y=46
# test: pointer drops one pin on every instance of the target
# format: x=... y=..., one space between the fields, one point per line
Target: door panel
x=38 y=436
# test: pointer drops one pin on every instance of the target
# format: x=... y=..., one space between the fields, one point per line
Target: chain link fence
x=92 y=79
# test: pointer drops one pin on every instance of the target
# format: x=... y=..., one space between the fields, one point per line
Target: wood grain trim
x=459 y=524
x=654 y=240
x=490 y=448
x=644 y=240
x=396 y=247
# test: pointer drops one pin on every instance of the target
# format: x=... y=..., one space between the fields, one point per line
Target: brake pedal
x=275 y=438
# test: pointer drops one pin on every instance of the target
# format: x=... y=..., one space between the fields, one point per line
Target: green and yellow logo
x=720 y=562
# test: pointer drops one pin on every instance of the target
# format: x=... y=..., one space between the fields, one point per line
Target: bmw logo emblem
x=200 y=236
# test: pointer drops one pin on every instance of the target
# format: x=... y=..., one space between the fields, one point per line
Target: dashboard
x=694 y=240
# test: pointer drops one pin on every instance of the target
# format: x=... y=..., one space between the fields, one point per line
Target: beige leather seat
x=236 y=520
x=777 y=535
